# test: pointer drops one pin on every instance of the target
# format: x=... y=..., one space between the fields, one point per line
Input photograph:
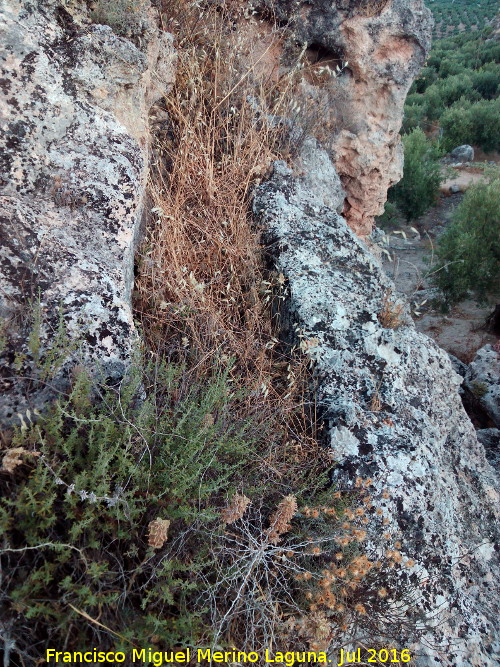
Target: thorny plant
x=310 y=576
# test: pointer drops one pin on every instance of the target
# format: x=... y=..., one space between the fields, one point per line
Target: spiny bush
x=88 y=491
x=116 y=527
x=469 y=251
x=310 y=574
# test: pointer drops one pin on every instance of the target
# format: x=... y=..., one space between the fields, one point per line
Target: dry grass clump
x=391 y=315
x=203 y=293
x=201 y=277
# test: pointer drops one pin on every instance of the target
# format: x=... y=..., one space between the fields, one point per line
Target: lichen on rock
x=75 y=102
x=429 y=473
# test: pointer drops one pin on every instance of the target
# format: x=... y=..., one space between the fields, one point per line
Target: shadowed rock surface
x=482 y=379
x=391 y=402
x=74 y=137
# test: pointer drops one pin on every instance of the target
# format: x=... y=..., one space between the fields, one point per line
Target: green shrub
x=469 y=251
x=390 y=216
x=88 y=481
x=417 y=190
x=450 y=67
x=128 y=18
x=487 y=81
x=472 y=123
x=434 y=105
x=486 y=123
x=457 y=125
x=414 y=116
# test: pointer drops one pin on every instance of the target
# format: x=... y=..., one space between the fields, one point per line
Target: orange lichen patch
x=395 y=49
x=262 y=50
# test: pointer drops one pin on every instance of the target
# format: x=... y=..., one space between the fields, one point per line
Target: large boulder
x=463 y=153
x=75 y=140
x=389 y=397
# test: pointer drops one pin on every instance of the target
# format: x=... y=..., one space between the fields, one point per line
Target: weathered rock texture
x=74 y=138
x=359 y=113
x=393 y=413
x=482 y=379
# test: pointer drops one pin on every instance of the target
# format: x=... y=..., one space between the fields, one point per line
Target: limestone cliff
x=384 y=44
x=74 y=135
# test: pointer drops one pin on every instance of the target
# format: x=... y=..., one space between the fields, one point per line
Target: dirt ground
x=407 y=257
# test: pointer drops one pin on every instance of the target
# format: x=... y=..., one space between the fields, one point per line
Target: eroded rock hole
x=318 y=53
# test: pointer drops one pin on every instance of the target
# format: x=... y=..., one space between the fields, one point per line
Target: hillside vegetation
x=455 y=101
x=190 y=504
x=454 y=16
x=456 y=95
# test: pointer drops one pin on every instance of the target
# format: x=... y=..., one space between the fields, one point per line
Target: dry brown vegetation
x=206 y=298
x=230 y=533
x=391 y=316
x=204 y=294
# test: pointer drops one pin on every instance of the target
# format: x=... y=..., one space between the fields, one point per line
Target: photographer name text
x=208 y=656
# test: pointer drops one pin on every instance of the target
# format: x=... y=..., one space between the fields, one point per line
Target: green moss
x=479 y=389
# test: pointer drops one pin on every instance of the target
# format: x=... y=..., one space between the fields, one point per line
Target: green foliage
x=486 y=124
x=414 y=115
x=79 y=491
x=457 y=125
x=477 y=124
x=451 y=15
x=128 y=18
x=469 y=251
x=74 y=515
x=389 y=218
x=458 y=89
x=487 y=81
x=417 y=191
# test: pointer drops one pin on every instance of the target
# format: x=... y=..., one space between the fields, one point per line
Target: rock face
x=490 y=439
x=74 y=136
x=482 y=379
x=390 y=399
x=384 y=42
